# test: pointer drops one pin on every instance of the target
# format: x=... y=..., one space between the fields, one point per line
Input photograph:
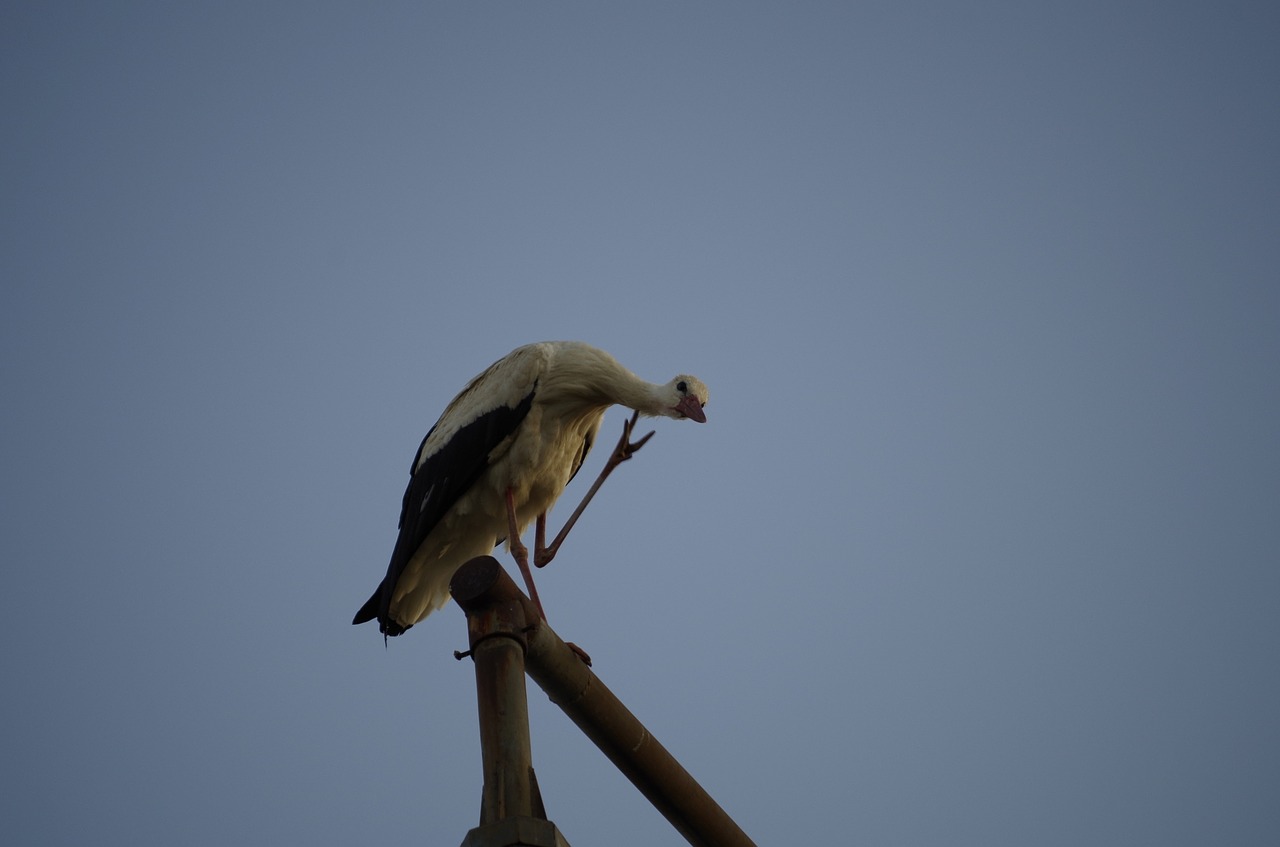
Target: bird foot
x=626 y=447
x=582 y=654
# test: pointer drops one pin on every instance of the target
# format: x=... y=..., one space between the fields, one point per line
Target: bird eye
x=682 y=387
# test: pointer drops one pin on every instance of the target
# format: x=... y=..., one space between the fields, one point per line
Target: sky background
x=980 y=544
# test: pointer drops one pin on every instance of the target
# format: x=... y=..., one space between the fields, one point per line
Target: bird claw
x=626 y=447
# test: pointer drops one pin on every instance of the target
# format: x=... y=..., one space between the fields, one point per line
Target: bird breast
x=542 y=459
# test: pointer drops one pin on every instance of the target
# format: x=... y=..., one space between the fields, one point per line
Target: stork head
x=686 y=395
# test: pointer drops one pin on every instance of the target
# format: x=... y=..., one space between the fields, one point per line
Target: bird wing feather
x=453 y=455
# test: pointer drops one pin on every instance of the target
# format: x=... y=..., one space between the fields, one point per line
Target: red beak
x=691 y=409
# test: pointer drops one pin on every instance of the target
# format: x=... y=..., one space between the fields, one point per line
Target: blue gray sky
x=980 y=545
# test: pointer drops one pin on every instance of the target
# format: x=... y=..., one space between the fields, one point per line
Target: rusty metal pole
x=573 y=687
x=498 y=615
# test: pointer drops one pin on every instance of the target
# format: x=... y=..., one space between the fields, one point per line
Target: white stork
x=500 y=456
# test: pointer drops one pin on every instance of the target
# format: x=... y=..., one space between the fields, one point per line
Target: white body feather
x=572 y=385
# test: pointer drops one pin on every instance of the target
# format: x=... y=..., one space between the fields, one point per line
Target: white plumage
x=501 y=454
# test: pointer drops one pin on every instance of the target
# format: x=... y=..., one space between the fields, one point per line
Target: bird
x=500 y=456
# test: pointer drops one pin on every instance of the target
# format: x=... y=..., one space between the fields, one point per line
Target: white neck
x=593 y=376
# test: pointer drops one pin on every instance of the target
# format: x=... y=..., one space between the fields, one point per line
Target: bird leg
x=542 y=553
x=519 y=552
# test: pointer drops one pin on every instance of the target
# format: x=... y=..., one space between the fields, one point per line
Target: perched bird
x=499 y=457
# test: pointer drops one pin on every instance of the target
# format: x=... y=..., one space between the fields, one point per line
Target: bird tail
x=369 y=610
x=372 y=609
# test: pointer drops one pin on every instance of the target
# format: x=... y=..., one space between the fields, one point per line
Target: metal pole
x=606 y=721
x=511 y=811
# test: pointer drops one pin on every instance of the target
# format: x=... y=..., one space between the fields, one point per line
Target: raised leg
x=521 y=553
x=542 y=553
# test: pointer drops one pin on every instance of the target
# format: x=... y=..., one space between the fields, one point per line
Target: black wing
x=587 y=441
x=434 y=487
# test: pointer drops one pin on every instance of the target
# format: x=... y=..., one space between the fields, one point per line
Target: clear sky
x=980 y=544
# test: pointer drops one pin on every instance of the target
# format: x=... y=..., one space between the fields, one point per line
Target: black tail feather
x=369 y=610
x=372 y=609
